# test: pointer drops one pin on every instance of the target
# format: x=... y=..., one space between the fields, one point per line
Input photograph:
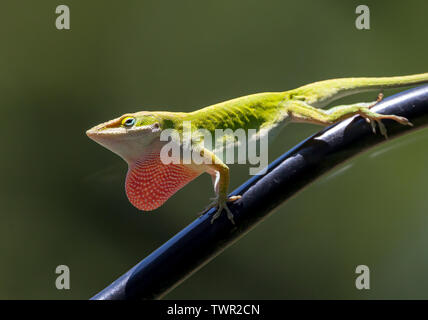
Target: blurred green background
x=62 y=196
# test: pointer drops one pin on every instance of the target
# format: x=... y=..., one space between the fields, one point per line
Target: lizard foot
x=221 y=204
x=376 y=118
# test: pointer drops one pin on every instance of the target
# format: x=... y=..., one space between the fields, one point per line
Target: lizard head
x=129 y=135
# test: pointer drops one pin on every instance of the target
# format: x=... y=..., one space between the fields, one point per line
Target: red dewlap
x=149 y=182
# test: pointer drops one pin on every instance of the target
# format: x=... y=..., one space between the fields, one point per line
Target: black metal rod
x=201 y=241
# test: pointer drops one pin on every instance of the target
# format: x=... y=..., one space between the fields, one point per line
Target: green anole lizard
x=136 y=136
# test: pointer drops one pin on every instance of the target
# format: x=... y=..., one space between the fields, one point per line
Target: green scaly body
x=135 y=136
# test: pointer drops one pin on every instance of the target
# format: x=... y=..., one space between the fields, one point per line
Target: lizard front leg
x=220 y=176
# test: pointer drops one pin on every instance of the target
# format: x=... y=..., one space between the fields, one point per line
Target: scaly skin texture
x=136 y=136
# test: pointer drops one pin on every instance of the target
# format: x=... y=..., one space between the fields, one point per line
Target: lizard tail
x=323 y=92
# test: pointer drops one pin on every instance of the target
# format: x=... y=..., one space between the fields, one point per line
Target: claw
x=222 y=205
x=378 y=99
x=382 y=128
x=213 y=203
x=233 y=198
x=373 y=125
x=402 y=120
x=377 y=118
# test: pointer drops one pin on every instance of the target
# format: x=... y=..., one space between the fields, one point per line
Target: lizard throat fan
x=149 y=171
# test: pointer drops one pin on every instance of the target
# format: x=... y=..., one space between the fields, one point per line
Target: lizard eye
x=128 y=122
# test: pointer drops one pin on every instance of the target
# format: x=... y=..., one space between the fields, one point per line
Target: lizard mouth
x=107 y=129
x=112 y=129
x=128 y=143
x=102 y=132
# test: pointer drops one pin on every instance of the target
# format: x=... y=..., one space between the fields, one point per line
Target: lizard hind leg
x=363 y=109
x=302 y=112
